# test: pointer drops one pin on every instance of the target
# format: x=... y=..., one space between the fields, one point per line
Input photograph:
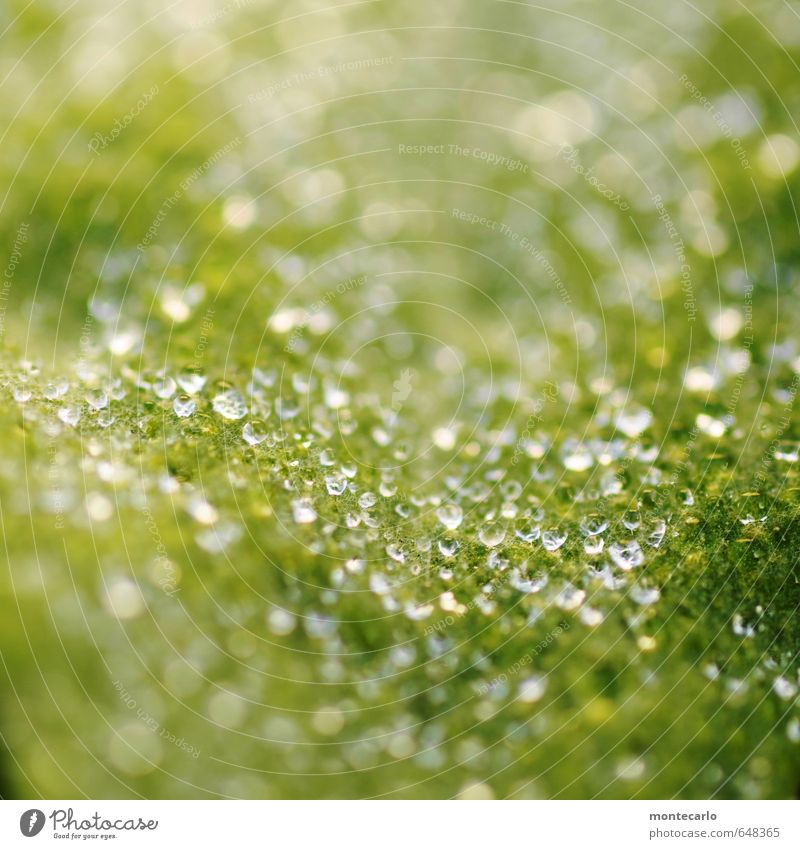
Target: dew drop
x=491 y=535
x=191 y=380
x=335 y=483
x=70 y=415
x=532 y=689
x=229 y=404
x=303 y=511
x=593 y=524
x=164 y=387
x=626 y=555
x=367 y=500
x=633 y=420
x=553 y=539
x=254 y=432
x=448 y=546
x=450 y=515
x=184 y=406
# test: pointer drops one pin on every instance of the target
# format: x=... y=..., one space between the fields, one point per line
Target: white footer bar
x=402 y=824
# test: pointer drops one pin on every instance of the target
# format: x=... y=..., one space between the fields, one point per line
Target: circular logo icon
x=31 y=822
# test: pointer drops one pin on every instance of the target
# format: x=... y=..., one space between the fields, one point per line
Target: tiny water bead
x=191 y=380
x=527 y=532
x=633 y=420
x=367 y=500
x=532 y=689
x=492 y=535
x=255 y=432
x=335 y=483
x=229 y=404
x=55 y=390
x=553 y=539
x=576 y=456
x=448 y=547
x=164 y=387
x=450 y=515
x=183 y=406
x=303 y=511
x=70 y=415
x=593 y=524
x=626 y=555
x=97 y=399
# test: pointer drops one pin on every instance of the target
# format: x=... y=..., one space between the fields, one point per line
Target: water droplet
x=528 y=532
x=303 y=511
x=70 y=415
x=789 y=452
x=626 y=555
x=740 y=627
x=553 y=539
x=22 y=395
x=570 y=597
x=56 y=390
x=396 y=552
x=448 y=547
x=784 y=688
x=710 y=426
x=645 y=595
x=191 y=380
x=532 y=689
x=491 y=535
x=335 y=483
x=631 y=519
x=591 y=616
x=254 y=432
x=97 y=399
x=184 y=406
x=367 y=500
x=575 y=456
x=230 y=404
x=281 y=622
x=657 y=532
x=444 y=438
x=450 y=515
x=593 y=524
x=286 y=408
x=164 y=387
x=633 y=420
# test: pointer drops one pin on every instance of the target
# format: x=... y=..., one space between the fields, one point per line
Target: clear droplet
x=70 y=415
x=164 y=387
x=626 y=555
x=593 y=524
x=553 y=539
x=230 y=404
x=367 y=500
x=335 y=483
x=448 y=547
x=575 y=456
x=532 y=689
x=633 y=420
x=491 y=535
x=184 y=406
x=191 y=380
x=450 y=515
x=255 y=432
x=303 y=511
